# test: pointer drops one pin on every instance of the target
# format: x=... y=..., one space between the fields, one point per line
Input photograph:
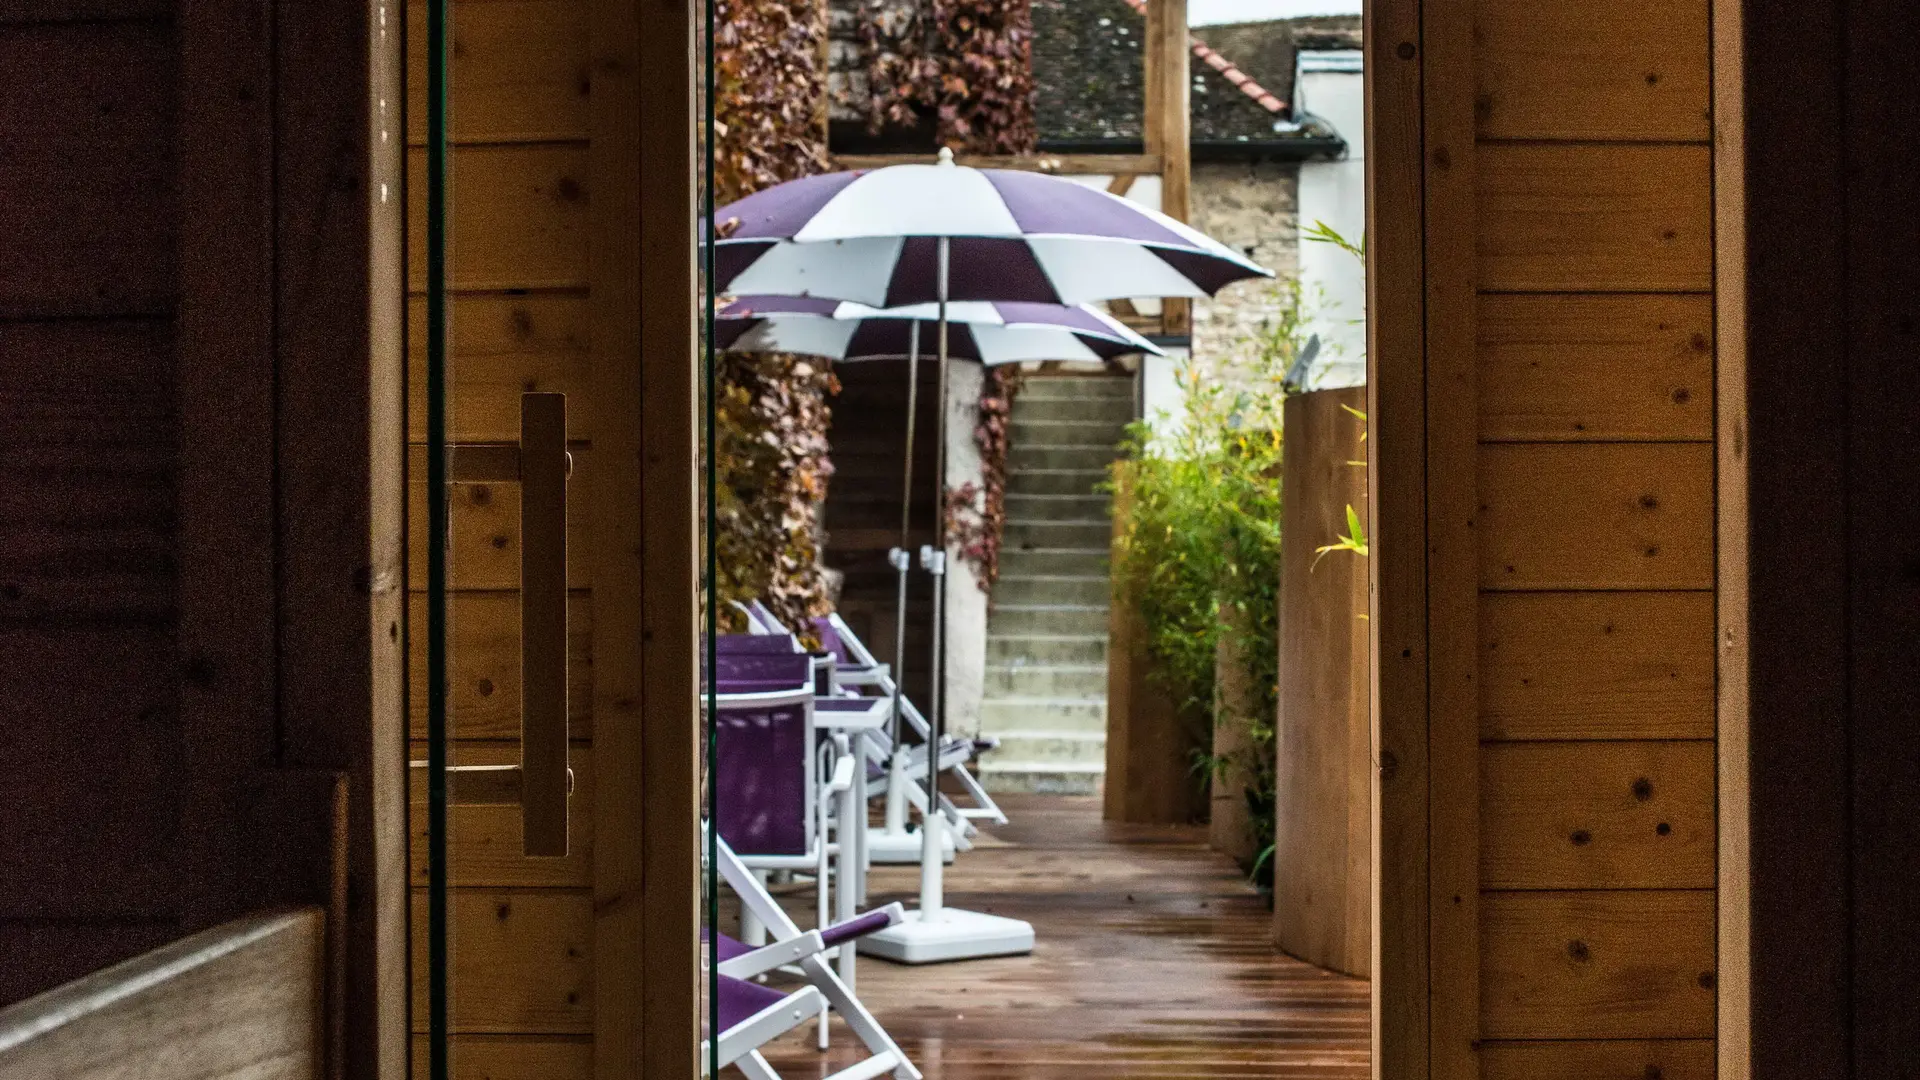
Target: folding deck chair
x=858 y=668
x=805 y=953
x=769 y=756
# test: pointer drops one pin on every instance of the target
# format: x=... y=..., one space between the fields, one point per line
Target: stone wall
x=1251 y=207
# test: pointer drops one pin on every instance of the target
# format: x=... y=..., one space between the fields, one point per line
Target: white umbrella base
x=898 y=848
x=953 y=934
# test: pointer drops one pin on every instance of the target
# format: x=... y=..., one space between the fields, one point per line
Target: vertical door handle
x=544 y=464
x=541 y=782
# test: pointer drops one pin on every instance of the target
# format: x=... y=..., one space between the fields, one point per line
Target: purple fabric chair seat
x=762 y=769
x=755 y=644
x=741 y=1000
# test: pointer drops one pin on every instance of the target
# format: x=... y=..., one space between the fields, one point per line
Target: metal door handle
x=543 y=622
x=542 y=781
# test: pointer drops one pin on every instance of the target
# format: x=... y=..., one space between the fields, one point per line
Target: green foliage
x=1200 y=544
x=965 y=64
x=771 y=413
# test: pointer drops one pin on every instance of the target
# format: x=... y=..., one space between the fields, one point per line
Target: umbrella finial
x=946 y=156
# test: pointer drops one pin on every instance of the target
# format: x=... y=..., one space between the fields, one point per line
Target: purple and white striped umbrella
x=874 y=238
x=990 y=333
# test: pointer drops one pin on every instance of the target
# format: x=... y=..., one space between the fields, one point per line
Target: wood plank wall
x=1566 y=766
x=200 y=536
x=1829 y=284
x=559 y=108
x=88 y=562
x=520 y=930
x=862 y=514
x=1594 y=354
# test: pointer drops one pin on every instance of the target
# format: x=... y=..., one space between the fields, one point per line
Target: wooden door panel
x=483 y=658
x=1596 y=665
x=519 y=71
x=1570 y=69
x=1599 y=965
x=487 y=849
x=1600 y=516
x=501 y=346
x=1587 y=368
x=1597 y=815
x=486 y=528
x=1626 y=1059
x=1587 y=218
x=520 y=960
x=519 y=218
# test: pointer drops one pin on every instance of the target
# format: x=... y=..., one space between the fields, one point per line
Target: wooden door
x=568 y=275
x=1556 y=599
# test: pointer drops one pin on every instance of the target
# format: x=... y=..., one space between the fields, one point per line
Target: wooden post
x=1150 y=744
x=1167 y=127
x=1322 y=842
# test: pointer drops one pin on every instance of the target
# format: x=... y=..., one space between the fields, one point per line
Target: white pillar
x=966 y=604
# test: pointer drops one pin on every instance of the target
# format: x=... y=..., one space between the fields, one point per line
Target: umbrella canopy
x=991 y=333
x=873 y=237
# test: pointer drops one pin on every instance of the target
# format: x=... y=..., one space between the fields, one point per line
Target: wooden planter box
x=1323 y=832
x=1150 y=745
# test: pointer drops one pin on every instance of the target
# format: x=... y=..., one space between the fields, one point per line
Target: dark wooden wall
x=862 y=517
x=1833 y=297
x=199 y=549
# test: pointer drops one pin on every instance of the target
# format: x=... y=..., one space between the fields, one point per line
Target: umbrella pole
x=896 y=819
x=934 y=821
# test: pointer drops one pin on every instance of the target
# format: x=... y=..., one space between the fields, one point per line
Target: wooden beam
x=1450 y=239
x=1168 y=128
x=1734 y=925
x=217 y=1004
x=1396 y=476
x=1058 y=164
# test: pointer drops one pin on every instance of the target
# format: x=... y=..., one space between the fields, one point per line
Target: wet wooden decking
x=1152 y=960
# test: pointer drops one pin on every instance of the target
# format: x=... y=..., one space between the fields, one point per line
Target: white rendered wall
x=966 y=603
x=1334 y=281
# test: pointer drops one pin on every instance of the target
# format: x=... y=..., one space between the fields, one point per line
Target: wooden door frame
x=1420 y=354
x=646 y=539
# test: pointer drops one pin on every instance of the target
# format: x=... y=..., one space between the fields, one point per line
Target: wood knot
x=1581 y=838
x=1649 y=502
x=1643 y=789
x=484 y=687
x=480 y=495
x=1405 y=50
x=499 y=543
x=1578 y=951
x=1663 y=829
x=1706 y=980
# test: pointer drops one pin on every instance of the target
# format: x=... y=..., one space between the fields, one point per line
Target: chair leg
x=753 y=932
x=756 y=1068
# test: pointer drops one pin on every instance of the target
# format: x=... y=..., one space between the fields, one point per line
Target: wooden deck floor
x=1152 y=961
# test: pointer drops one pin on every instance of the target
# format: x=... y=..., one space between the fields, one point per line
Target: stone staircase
x=1046 y=686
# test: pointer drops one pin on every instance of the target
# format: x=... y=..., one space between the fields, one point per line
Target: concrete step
x=1111 y=410
x=1039 y=747
x=1052 y=482
x=1013 y=649
x=1049 y=431
x=1016 y=562
x=1027 y=778
x=1021 y=620
x=1094 y=535
x=1048 y=388
x=1017 y=717
x=1057 y=507
x=1046 y=681
x=1084 y=590
x=1094 y=457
